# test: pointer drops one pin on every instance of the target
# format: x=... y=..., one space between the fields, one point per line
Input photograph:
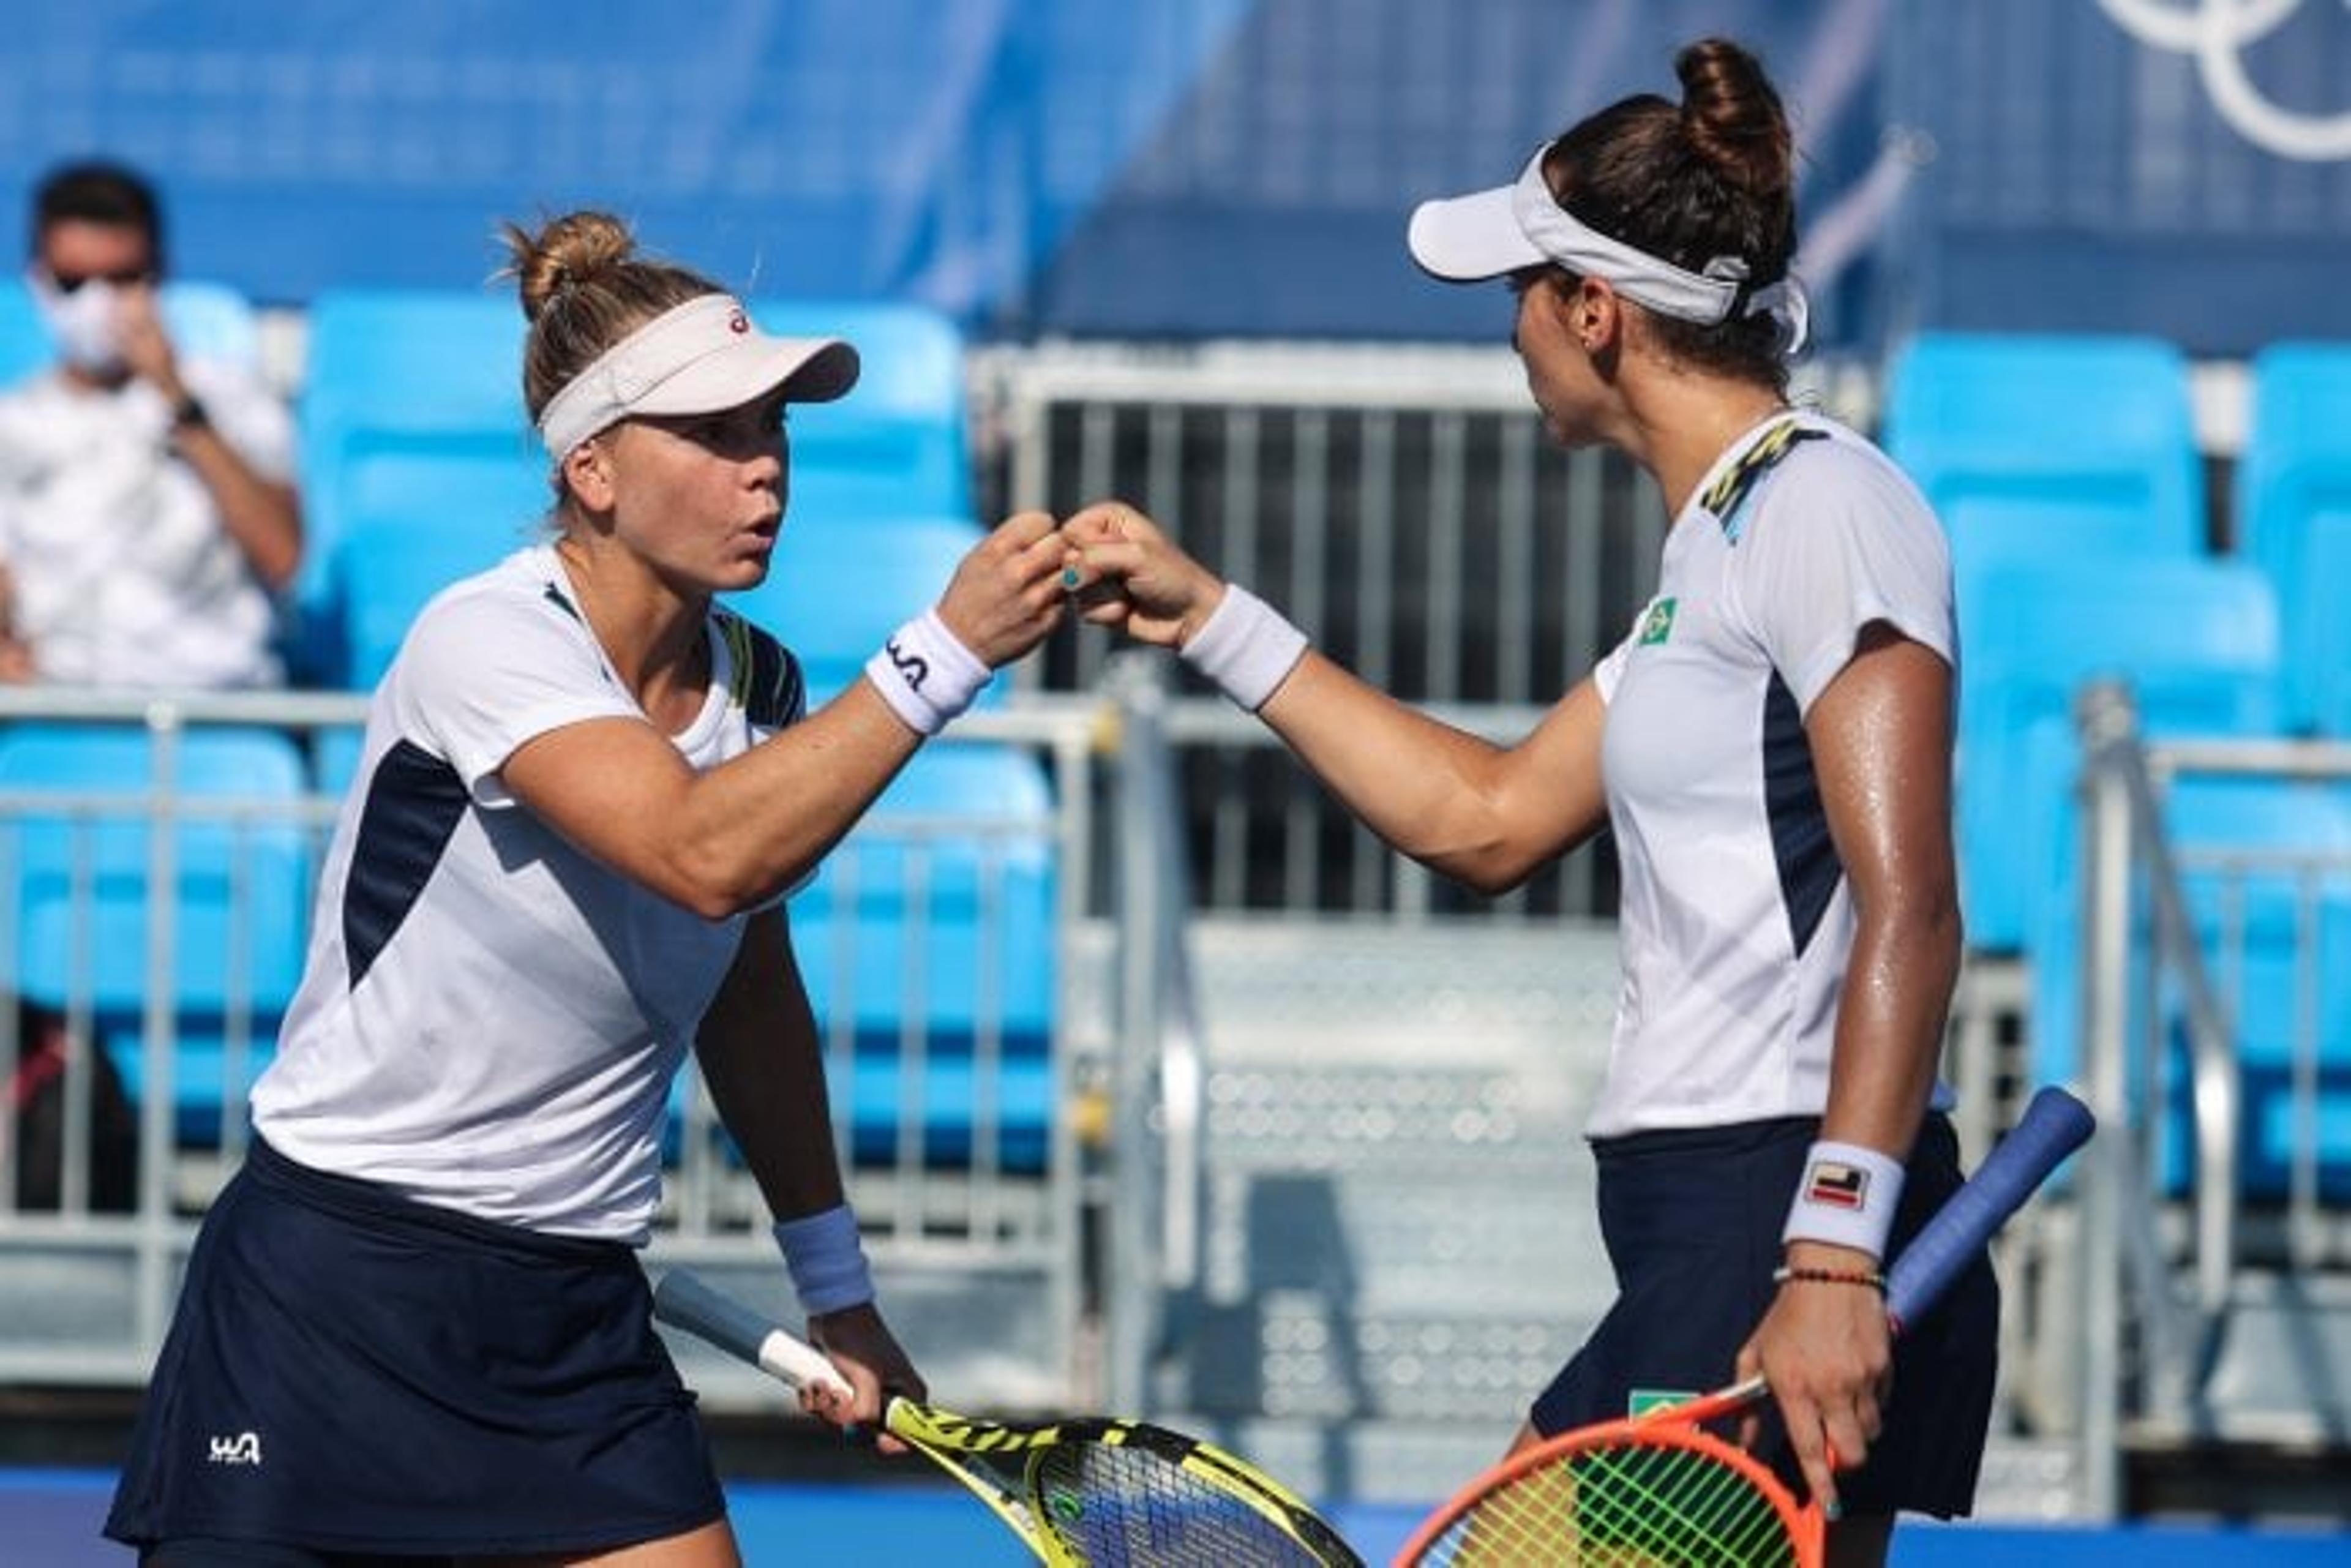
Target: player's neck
x=1683 y=453
x=653 y=637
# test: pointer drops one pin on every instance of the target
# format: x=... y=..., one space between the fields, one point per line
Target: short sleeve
x=484 y=672
x=1845 y=541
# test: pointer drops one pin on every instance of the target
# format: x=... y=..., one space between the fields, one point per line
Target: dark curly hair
x=1711 y=176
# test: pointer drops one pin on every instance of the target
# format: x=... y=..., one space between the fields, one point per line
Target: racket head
x=1100 y=1490
x=1659 y=1489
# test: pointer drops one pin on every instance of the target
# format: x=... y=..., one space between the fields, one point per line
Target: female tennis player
x=1772 y=746
x=413 y=1325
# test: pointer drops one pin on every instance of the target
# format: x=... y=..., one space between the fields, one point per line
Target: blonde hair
x=584 y=287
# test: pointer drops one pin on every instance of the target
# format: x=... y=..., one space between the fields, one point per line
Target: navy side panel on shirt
x=1801 y=845
x=414 y=801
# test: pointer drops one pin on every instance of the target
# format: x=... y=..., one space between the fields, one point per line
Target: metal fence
x=2214 y=1281
x=143 y=1020
x=1404 y=504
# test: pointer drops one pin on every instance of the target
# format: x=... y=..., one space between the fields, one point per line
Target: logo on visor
x=738 y=323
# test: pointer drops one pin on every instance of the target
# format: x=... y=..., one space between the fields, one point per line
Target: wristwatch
x=188 y=413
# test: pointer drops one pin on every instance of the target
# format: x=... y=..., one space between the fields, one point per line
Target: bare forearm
x=1484 y=814
x=1409 y=777
x=1890 y=1021
x=262 y=515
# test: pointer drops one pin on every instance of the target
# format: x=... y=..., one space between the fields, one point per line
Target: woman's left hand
x=868 y=1354
x=1827 y=1351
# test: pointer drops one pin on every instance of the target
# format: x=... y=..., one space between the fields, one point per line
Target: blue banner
x=1211 y=167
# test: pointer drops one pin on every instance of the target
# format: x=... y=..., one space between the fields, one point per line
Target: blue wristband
x=826 y=1259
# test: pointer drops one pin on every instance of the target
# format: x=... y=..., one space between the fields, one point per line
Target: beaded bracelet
x=1869 y=1277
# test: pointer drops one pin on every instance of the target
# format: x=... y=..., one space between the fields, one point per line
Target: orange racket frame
x=1680 y=1426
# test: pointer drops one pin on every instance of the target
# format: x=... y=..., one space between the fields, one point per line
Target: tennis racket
x=1077 y=1492
x=1658 y=1488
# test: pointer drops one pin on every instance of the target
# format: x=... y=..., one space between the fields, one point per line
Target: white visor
x=702 y=357
x=1490 y=233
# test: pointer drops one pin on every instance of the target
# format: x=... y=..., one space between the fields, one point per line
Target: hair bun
x=569 y=252
x=1732 y=116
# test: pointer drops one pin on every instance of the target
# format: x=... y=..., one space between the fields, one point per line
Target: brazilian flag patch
x=1658 y=624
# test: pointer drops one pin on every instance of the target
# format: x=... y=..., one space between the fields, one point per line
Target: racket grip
x=682 y=1301
x=2053 y=1126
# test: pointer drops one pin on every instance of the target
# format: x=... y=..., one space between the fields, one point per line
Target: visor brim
x=807 y=370
x=1471 y=238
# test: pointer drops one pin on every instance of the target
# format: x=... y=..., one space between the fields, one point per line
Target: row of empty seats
x=2068 y=474
x=928 y=939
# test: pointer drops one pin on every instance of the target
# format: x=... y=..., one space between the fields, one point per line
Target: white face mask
x=82 y=323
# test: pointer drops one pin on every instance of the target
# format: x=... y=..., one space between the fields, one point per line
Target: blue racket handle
x=2053 y=1126
x=682 y=1301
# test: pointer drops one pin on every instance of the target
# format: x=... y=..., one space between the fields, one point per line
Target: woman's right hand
x=1131 y=575
x=1006 y=594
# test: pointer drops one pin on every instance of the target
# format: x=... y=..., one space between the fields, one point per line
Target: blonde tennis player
x=414 y=1327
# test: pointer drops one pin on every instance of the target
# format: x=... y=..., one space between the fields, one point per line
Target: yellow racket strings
x=1114 y=1505
x=1632 y=1506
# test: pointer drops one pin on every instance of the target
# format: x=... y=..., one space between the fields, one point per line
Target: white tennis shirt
x=1737 y=920
x=489 y=1019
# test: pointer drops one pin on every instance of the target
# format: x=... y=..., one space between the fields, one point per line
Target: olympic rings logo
x=2216 y=33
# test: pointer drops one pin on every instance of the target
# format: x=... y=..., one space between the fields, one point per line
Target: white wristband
x=1246 y=647
x=826 y=1259
x=1847 y=1197
x=925 y=673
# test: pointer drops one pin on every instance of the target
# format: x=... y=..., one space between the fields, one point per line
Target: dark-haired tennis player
x=1770 y=743
x=414 y=1326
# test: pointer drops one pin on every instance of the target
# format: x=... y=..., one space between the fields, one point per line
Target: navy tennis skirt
x=1692 y=1222
x=352 y=1372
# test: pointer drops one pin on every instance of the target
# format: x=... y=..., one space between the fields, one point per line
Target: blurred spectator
x=148 y=518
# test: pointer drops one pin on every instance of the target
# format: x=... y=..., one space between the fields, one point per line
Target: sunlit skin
x=1490 y=815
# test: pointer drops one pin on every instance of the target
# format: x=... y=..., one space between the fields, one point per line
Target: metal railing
x=1400 y=503
x=2147 y=969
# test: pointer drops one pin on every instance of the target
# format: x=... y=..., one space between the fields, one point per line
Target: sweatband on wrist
x=826 y=1259
x=925 y=673
x=1847 y=1197
x=1246 y=647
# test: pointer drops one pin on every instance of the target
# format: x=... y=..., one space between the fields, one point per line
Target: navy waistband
x=354 y=1198
x=1734 y=1138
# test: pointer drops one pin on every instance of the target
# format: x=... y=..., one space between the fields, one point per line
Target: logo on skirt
x=244 y=1449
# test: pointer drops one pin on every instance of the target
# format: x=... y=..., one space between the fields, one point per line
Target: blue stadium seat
x=415 y=519
x=897 y=445
x=25 y=346
x=2277 y=951
x=2293 y=518
x=838 y=587
x=418 y=464
x=2032 y=445
x=927 y=943
x=2197 y=639
x=80 y=898
x=206 y=320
